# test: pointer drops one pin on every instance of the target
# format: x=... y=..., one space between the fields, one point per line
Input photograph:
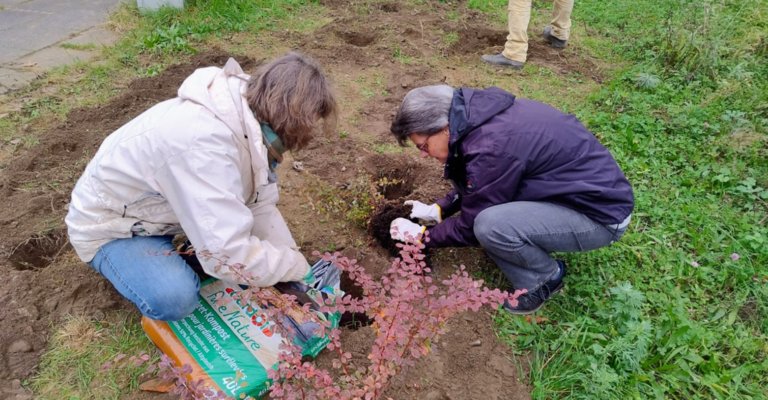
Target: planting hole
x=38 y=251
x=393 y=175
x=358 y=39
x=382 y=216
x=394 y=183
x=352 y=320
x=477 y=39
x=390 y=7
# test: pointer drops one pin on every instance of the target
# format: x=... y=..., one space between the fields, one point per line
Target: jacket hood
x=471 y=108
x=221 y=91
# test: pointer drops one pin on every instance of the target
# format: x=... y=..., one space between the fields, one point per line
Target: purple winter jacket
x=504 y=149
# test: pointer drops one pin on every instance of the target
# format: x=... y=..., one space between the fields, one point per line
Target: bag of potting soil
x=230 y=346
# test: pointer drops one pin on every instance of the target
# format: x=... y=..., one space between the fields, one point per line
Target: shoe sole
x=550 y=39
x=521 y=312
x=555 y=45
x=516 y=67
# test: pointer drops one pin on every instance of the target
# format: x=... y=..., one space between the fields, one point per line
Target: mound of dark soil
x=382 y=216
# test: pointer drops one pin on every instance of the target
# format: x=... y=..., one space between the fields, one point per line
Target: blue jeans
x=146 y=271
x=519 y=236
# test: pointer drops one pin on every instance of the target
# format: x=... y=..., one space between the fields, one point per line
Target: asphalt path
x=36 y=35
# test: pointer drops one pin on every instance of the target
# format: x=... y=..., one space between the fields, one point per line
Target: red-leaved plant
x=183 y=386
x=409 y=312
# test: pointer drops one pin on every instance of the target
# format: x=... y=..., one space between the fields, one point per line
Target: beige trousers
x=516 y=47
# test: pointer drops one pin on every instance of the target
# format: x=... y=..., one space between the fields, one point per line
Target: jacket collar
x=470 y=109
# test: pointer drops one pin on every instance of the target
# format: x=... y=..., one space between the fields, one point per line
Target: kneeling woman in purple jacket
x=528 y=180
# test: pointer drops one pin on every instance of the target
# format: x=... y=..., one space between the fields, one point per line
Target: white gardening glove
x=401 y=229
x=428 y=213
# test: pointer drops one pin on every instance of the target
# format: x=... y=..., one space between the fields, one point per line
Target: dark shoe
x=531 y=302
x=552 y=40
x=498 y=59
x=187 y=252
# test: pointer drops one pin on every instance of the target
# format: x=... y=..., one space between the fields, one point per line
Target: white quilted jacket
x=194 y=164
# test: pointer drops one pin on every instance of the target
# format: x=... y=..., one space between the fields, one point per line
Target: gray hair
x=424 y=111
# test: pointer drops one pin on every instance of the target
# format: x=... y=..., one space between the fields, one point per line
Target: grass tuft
x=92 y=359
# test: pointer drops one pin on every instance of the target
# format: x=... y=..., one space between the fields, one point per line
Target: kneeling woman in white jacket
x=200 y=164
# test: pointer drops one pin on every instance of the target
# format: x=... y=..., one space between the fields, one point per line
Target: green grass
x=372 y=85
x=450 y=38
x=150 y=42
x=400 y=56
x=170 y=30
x=678 y=309
x=497 y=9
x=77 y=46
x=388 y=148
x=93 y=359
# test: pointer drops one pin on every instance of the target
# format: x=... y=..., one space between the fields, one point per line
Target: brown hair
x=292 y=94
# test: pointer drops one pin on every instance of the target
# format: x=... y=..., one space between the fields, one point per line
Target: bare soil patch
x=382 y=216
x=44 y=281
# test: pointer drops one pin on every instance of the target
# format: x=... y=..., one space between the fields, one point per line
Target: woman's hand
x=428 y=213
x=405 y=231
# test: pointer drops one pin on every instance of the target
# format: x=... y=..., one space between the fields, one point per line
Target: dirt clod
x=20 y=346
x=381 y=218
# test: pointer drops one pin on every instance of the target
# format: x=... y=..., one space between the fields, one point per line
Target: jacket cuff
x=449 y=205
x=442 y=203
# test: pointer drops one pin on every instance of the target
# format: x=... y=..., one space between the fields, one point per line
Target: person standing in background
x=516 y=48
